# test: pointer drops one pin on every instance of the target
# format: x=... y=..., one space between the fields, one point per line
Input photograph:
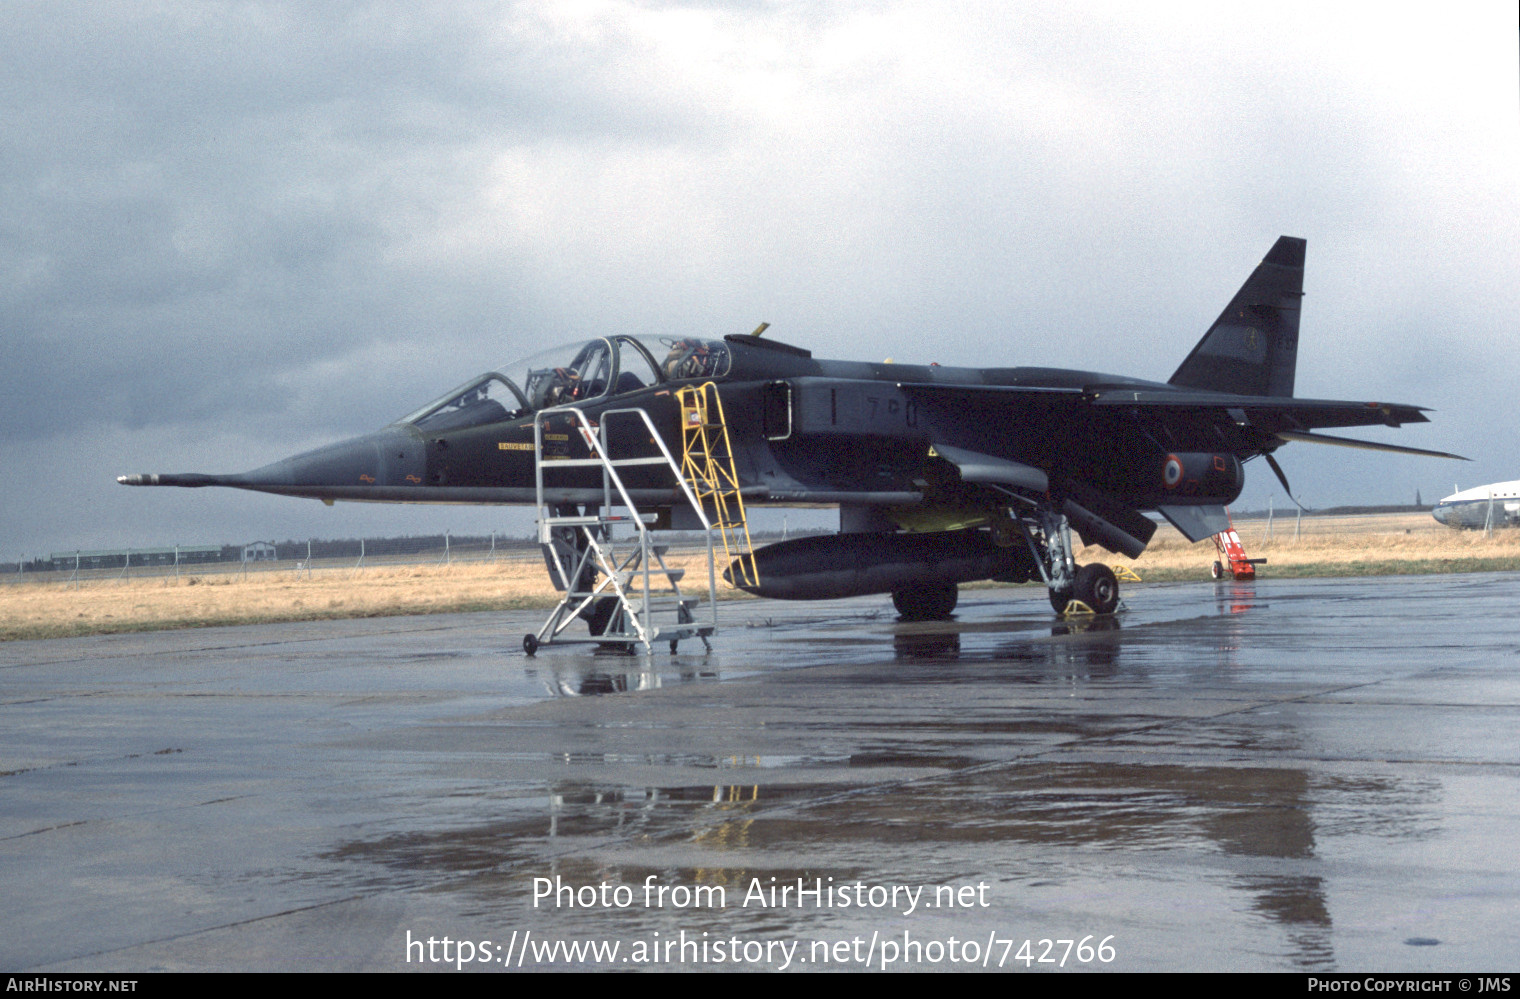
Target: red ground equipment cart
x=1232 y=556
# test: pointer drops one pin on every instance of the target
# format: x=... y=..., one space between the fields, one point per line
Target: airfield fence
x=334 y=557
x=1284 y=527
x=305 y=558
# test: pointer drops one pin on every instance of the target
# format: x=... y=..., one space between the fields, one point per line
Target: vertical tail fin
x=1252 y=348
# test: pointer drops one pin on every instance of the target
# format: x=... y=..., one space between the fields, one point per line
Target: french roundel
x=1171 y=472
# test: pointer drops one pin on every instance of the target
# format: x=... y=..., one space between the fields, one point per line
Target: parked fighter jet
x=942 y=475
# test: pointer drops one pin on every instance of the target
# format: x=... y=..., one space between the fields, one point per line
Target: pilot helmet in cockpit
x=688 y=358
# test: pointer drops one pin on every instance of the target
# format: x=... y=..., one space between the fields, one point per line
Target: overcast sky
x=234 y=231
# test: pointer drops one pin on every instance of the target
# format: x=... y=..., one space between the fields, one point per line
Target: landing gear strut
x=1094 y=584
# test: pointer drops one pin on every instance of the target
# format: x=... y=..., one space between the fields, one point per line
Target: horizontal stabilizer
x=1197 y=522
x=1293 y=435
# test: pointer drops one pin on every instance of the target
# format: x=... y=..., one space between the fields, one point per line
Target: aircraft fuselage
x=1496 y=505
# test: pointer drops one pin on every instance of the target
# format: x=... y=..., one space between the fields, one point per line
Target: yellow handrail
x=707 y=462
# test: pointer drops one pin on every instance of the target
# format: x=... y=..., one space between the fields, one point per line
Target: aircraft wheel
x=530 y=644
x=599 y=615
x=1098 y=588
x=1216 y=569
x=1059 y=599
x=926 y=603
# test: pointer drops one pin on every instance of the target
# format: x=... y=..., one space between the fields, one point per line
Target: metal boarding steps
x=621 y=587
x=707 y=462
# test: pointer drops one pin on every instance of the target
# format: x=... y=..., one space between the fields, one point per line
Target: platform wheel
x=530 y=644
x=1216 y=569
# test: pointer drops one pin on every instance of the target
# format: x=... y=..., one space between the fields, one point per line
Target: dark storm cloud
x=197 y=198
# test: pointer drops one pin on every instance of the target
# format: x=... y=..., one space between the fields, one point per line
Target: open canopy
x=572 y=373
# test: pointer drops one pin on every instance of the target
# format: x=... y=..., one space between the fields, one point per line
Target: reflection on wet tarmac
x=576 y=680
x=1083 y=624
x=1299 y=905
x=1236 y=597
x=930 y=645
x=1247 y=812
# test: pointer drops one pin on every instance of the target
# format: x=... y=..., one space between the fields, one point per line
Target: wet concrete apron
x=1295 y=774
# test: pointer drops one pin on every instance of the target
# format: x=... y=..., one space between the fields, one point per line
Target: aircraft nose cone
x=1439 y=513
x=352 y=462
x=347 y=470
x=373 y=459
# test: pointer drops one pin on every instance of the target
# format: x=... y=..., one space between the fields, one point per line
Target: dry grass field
x=48 y=606
x=1376 y=544
x=52 y=608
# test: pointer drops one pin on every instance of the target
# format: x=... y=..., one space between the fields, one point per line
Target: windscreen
x=572 y=373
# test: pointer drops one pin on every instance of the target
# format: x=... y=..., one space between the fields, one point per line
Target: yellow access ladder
x=707 y=463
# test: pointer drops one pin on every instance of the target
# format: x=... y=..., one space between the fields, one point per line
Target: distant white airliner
x=1496 y=504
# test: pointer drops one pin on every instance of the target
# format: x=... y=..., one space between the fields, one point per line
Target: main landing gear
x=1094 y=584
x=1091 y=588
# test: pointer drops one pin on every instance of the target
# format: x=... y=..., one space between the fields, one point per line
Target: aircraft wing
x=1267 y=413
x=1246 y=425
x=1269 y=422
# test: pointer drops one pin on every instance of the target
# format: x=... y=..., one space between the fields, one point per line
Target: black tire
x=1216 y=569
x=926 y=603
x=1059 y=599
x=1097 y=587
x=530 y=644
x=599 y=615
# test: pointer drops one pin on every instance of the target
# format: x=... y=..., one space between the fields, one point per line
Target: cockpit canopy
x=577 y=372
